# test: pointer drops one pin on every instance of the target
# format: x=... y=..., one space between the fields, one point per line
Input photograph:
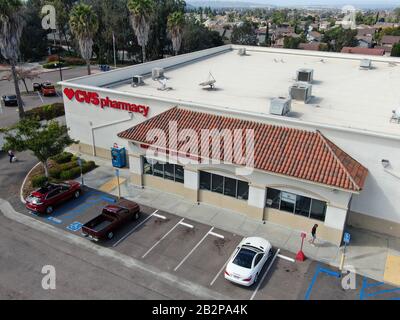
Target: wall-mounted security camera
x=385 y=163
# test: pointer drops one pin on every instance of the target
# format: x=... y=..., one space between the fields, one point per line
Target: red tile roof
x=291 y=152
x=366 y=51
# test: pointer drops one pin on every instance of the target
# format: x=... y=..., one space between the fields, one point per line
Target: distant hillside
x=226 y=4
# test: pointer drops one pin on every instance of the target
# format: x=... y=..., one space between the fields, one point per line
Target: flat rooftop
x=343 y=94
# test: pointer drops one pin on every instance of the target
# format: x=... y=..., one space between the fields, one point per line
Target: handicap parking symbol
x=75 y=226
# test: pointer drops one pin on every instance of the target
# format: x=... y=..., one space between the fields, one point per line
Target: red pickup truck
x=112 y=218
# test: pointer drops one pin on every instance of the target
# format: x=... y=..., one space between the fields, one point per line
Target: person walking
x=313 y=234
x=11 y=155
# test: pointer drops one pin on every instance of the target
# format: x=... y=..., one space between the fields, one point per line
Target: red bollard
x=300 y=255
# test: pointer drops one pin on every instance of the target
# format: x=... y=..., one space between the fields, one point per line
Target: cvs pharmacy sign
x=89 y=97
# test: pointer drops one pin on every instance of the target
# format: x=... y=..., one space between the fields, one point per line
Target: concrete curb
x=23 y=183
x=127 y=261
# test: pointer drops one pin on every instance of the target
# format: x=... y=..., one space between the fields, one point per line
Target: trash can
x=118 y=156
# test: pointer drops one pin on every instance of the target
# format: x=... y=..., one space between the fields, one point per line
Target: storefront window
x=318 y=210
x=158 y=170
x=217 y=183
x=230 y=187
x=167 y=171
x=273 y=198
x=288 y=201
x=179 y=174
x=147 y=167
x=296 y=204
x=227 y=186
x=303 y=205
x=205 y=180
x=243 y=190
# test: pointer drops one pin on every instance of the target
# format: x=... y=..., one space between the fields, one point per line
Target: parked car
x=47 y=89
x=247 y=261
x=45 y=199
x=10 y=101
x=37 y=87
x=110 y=220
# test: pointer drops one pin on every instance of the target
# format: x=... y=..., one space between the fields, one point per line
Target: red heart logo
x=70 y=93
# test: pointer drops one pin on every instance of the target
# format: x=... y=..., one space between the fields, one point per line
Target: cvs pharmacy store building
x=278 y=171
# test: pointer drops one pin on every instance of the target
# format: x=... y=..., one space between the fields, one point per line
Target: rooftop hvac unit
x=242 y=52
x=305 y=75
x=301 y=92
x=280 y=106
x=157 y=73
x=137 y=81
x=366 y=64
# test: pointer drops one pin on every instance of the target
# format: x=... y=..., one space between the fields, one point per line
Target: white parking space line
x=217 y=235
x=159 y=215
x=265 y=274
x=186 y=225
x=194 y=248
x=40 y=96
x=165 y=235
x=286 y=258
x=137 y=226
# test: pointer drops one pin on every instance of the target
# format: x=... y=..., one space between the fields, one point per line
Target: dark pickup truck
x=112 y=217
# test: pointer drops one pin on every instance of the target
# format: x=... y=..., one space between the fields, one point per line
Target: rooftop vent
x=242 y=52
x=365 y=64
x=301 y=92
x=280 y=106
x=137 y=81
x=157 y=73
x=305 y=75
x=395 y=116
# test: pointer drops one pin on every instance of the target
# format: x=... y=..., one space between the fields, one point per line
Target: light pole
x=119 y=186
x=80 y=166
x=346 y=240
x=115 y=56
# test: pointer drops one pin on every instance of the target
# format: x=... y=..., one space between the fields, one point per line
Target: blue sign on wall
x=346 y=238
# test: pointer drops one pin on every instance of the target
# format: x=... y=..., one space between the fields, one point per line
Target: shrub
x=39 y=181
x=55 y=173
x=88 y=166
x=63 y=157
x=53 y=65
x=52 y=58
x=47 y=112
x=68 y=165
x=74 y=61
x=70 y=174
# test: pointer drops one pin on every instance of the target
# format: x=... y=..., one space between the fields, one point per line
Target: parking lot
x=199 y=253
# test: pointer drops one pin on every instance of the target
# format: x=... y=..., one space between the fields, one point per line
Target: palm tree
x=141 y=15
x=11 y=25
x=84 y=24
x=176 y=21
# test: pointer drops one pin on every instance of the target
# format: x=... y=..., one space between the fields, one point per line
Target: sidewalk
x=368 y=252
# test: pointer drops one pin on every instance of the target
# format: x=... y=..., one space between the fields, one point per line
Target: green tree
x=176 y=22
x=396 y=50
x=34 y=38
x=292 y=42
x=397 y=14
x=11 y=26
x=338 y=38
x=44 y=140
x=141 y=16
x=244 y=34
x=84 y=25
x=197 y=37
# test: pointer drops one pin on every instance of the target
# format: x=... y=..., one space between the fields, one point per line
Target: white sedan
x=247 y=261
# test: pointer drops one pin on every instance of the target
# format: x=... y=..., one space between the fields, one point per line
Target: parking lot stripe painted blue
x=383 y=292
x=319 y=270
x=363 y=287
x=308 y=293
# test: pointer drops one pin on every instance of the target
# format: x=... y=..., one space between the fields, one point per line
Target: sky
x=356 y=3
